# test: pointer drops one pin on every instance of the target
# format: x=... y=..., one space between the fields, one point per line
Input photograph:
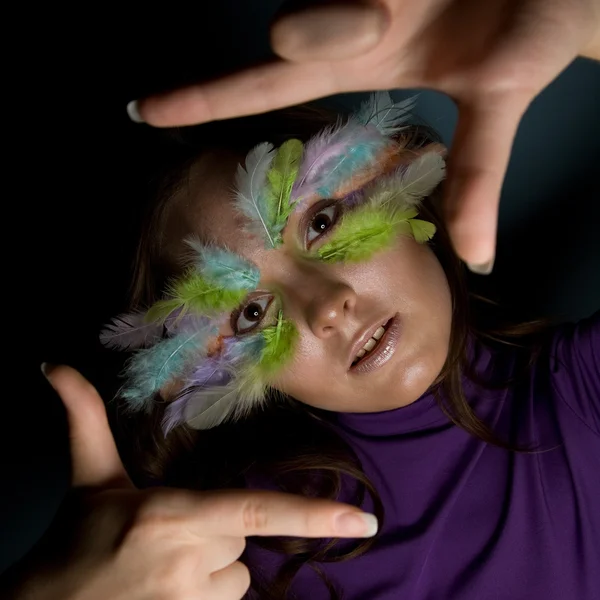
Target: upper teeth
x=371 y=342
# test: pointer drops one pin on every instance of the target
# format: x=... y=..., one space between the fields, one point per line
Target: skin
x=330 y=304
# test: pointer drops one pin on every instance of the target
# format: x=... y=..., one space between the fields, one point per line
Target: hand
x=492 y=57
x=111 y=540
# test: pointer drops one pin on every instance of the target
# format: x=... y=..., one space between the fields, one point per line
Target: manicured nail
x=47 y=368
x=356 y=524
x=134 y=112
x=484 y=269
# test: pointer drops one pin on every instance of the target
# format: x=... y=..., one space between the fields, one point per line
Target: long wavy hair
x=289 y=443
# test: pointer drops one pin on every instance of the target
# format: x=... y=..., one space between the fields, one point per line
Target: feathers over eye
x=224 y=267
x=244 y=371
x=195 y=293
x=149 y=369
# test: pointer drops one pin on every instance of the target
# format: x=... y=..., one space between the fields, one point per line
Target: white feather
x=250 y=186
x=408 y=187
x=388 y=116
x=211 y=407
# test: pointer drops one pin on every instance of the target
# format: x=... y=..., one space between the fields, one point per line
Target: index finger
x=251 y=91
x=265 y=513
x=476 y=167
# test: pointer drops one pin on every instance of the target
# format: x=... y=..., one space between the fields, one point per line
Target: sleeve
x=575 y=368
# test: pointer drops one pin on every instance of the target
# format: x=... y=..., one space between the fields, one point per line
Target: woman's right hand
x=113 y=541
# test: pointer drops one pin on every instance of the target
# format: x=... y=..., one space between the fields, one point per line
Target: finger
x=252 y=91
x=259 y=512
x=331 y=31
x=230 y=583
x=94 y=456
x=476 y=168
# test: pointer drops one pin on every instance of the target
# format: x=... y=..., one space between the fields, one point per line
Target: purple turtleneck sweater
x=466 y=520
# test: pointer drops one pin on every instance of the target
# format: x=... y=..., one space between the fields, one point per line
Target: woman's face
x=332 y=305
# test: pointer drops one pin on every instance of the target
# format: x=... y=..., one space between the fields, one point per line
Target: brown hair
x=288 y=442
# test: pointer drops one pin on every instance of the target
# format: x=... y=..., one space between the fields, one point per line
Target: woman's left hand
x=492 y=57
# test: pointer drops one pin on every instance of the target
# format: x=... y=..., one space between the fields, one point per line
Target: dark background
x=73 y=219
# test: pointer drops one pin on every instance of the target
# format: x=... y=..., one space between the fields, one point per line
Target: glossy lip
x=384 y=350
x=363 y=337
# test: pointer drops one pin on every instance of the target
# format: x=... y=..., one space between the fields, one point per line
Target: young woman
x=301 y=324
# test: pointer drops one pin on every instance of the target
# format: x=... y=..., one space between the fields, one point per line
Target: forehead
x=204 y=207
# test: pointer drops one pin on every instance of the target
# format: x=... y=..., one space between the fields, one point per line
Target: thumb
x=332 y=30
x=476 y=168
x=94 y=456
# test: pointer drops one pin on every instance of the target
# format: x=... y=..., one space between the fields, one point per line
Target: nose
x=329 y=308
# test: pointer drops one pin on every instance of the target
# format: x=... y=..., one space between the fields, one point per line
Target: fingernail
x=133 y=111
x=47 y=368
x=356 y=524
x=483 y=269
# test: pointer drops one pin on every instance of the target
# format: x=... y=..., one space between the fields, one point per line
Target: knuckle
x=151 y=518
x=254 y=515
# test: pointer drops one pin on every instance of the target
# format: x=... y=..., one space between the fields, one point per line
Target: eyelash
x=335 y=217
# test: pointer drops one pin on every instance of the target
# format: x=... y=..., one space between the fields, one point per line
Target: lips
x=382 y=352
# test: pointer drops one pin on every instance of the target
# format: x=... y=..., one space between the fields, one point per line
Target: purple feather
x=189 y=322
x=351 y=143
x=211 y=372
x=129 y=331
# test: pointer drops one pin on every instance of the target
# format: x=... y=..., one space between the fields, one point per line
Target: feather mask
x=130 y=331
x=340 y=153
x=150 y=369
x=230 y=386
x=194 y=292
x=264 y=186
x=222 y=267
x=389 y=210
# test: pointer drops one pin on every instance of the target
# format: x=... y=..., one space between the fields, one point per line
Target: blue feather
x=150 y=369
x=224 y=267
x=214 y=373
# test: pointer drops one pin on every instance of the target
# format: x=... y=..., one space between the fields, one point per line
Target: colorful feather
x=209 y=408
x=230 y=386
x=335 y=155
x=408 y=186
x=281 y=179
x=387 y=116
x=212 y=373
x=364 y=231
x=252 y=197
x=280 y=341
x=150 y=369
x=194 y=293
x=223 y=267
x=130 y=331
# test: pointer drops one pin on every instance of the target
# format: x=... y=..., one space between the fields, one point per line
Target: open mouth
x=379 y=348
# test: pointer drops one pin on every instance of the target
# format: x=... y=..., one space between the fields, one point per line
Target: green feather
x=281 y=177
x=422 y=231
x=195 y=293
x=363 y=232
x=280 y=342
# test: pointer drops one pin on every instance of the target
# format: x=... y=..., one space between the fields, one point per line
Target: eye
x=250 y=315
x=322 y=222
